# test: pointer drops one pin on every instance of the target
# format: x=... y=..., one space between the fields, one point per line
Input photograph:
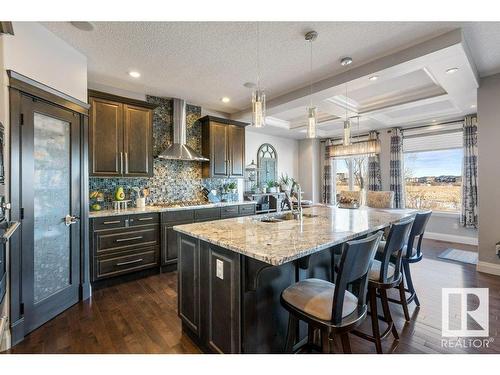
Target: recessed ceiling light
x=473 y=106
x=83 y=25
x=346 y=61
x=225 y=99
x=451 y=70
x=134 y=74
x=373 y=78
x=434 y=120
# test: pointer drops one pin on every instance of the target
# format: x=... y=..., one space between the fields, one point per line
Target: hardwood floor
x=140 y=316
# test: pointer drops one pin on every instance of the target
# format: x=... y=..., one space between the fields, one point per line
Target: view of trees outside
x=359 y=172
x=434 y=180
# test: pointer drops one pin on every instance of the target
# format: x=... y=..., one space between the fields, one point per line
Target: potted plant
x=271 y=186
x=232 y=186
x=285 y=182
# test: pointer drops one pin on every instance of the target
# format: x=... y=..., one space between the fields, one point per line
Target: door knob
x=68 y=220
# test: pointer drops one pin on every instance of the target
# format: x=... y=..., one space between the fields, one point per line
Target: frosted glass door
x=52 y=202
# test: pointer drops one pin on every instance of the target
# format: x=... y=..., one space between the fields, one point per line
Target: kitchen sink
x=282 y=217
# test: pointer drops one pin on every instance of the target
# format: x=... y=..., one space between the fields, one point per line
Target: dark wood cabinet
x=128 y=243
x=188 y=285
x=105 y=137
x=169 y=246
x=137 y=141
x=124 y=244
x=120 y=136
x=223 y=143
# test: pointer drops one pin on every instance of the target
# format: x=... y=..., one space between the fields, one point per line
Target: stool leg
x=346 y=344
x=374 y=315
x=409 y=281
x=325 y=341
x=402 y=297
x=290 y=334
x=387 y=313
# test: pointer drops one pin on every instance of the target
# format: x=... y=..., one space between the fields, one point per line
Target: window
x=351 y=173
x=433 y=170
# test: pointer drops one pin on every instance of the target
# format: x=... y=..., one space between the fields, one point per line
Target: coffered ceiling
x=205 y=61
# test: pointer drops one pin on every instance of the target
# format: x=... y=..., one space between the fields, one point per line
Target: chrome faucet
x=298 y=214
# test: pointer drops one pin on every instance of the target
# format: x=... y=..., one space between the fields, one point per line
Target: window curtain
x=396 y=168
x=374 y=175
x=327 y=175
x=468 y=217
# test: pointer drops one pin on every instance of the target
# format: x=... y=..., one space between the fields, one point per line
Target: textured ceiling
x=204 y=61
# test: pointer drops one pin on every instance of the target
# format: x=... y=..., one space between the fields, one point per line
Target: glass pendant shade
x=370 y=147
x=258 y=108
x=347 y=133
x=311 y=122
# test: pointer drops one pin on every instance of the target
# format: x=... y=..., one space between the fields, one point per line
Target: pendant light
x=258 y=94
x=312 y=114
x=347 y=123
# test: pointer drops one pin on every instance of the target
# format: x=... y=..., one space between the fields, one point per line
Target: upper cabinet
x=223 y=143
x=120 y=136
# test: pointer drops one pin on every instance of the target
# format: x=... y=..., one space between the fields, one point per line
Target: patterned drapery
x=468 y=217
x=396 y=168
x=327 y=175
x=374 y=175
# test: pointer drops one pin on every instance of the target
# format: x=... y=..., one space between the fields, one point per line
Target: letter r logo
x=465 y=312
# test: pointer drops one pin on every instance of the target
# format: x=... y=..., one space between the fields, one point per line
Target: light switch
x=219 y=265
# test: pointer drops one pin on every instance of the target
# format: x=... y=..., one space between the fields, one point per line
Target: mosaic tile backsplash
x=173 y=180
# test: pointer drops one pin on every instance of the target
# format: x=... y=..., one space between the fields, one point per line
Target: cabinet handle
x=128 y=239
x=126 y=162
x=129 y=262
x=145 y=218
x=111 y=222
x=121 y=162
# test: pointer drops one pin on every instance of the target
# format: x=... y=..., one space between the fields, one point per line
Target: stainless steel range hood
x=178 y=150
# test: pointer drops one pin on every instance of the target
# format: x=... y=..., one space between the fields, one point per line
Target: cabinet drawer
x=181 y=215
x=207 y=214
x=230 y=211
x=127 y=263
x=125 y=240
x=247 y=209
x=144 y=219
x=110 y=222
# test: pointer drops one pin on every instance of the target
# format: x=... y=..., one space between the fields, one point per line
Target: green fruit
x=95 y=207
x=119 y=194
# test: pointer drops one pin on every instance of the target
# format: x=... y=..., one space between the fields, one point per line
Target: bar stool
x=384 y=275
x=331 y=308
x=412 y=254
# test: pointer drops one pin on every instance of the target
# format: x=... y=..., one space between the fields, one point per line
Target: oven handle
x=10 y=231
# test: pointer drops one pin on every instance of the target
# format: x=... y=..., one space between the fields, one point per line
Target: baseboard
x=451 y=238
x=491 y=268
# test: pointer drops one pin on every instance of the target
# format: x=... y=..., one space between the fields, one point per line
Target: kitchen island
x=232 y=272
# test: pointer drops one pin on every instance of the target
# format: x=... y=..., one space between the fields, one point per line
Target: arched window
x=267 y=163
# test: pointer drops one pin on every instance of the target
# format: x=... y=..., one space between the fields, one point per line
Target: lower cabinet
x=209 y=294
x=124 y=244
x=128 y=243
x=169 y=235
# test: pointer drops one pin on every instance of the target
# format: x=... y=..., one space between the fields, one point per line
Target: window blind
x=431 y=141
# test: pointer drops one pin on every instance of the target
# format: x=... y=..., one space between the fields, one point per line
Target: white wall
x=286 y=148
x=40 y=55
x=488 y=100
x=310 y=162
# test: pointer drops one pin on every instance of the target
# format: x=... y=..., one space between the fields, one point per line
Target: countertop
x=149 y=209
x=281 y=242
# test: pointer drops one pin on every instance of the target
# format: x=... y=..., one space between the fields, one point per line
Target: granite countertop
x=149 y=209
x=281 y=242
